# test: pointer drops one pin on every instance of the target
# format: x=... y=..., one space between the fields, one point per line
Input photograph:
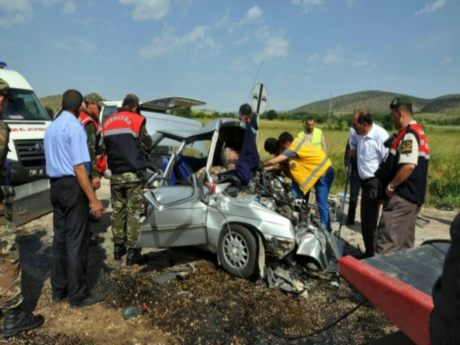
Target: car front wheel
x=238 y=251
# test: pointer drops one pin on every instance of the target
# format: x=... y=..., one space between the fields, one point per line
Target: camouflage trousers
x=10 y=271
x=127 y=194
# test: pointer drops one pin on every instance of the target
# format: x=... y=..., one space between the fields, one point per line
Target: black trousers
x=370 y=205
x=355 y=185
x=71 y=239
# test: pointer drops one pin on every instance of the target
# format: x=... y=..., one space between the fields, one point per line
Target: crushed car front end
x=275 y=230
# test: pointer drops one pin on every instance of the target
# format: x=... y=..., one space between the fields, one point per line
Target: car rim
x=236 y=250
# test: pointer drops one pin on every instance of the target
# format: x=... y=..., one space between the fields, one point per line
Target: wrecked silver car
x=186 y=205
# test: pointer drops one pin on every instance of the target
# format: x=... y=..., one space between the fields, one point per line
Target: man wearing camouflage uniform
x=127 y=145
x=89 y=116
x=15 y=320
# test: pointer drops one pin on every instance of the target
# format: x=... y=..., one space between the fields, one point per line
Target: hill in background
x=378 y=103
x=52 y=102
x=442 y=104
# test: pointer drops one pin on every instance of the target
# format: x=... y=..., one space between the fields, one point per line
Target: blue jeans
x=296 y=191
x=322 y=187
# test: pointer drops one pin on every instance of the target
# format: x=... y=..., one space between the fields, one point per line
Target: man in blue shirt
x=72 y=195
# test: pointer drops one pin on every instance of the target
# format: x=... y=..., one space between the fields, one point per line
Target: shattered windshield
x=24 y=105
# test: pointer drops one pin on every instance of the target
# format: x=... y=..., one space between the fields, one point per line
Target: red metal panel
x=408 y=307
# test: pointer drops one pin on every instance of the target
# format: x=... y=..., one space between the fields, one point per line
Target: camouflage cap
x=400 y=100
x=4 y=87
x=93 y=97
x=130 y=101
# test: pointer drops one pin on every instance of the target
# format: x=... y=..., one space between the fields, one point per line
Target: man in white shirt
x=370 y=152
x=351 y=165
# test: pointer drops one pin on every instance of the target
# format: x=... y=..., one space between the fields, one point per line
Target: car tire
x=237 y=251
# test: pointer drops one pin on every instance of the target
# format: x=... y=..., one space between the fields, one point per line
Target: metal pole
x=347 y=179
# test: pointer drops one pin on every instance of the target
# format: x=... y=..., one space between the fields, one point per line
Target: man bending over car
x=309 y=167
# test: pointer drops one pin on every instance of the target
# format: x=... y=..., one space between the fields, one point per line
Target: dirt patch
x=210 y=307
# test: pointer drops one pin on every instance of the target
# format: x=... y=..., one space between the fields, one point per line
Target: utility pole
x=329 y=114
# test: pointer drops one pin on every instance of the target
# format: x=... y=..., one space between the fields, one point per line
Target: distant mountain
x=52 y=102
x=378 y=103
x=443 y=103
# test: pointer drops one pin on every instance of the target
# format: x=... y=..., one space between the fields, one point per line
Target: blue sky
x=212 y=50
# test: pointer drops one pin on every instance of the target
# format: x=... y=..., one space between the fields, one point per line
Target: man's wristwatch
x=391 y=190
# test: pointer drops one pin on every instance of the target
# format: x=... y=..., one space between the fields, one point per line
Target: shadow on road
x=35 y=247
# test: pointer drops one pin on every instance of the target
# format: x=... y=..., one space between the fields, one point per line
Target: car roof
x=204 y=132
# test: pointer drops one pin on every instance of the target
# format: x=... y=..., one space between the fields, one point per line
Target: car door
x=176 y=217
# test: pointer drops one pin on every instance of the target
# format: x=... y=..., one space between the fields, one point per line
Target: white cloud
x=148 y=9
x=337 y=56
x=254 y=13
x=75 y=44
x=360 y=61
x=69 y=7
x=309 y=5
x=446 y=61
x=223 y=21
x=334 y=55
x=351 y=3
x=48 y=3
x=168 y=42
x=14 y=12
x=274 y=44
x=242 y=40
x=431 y=7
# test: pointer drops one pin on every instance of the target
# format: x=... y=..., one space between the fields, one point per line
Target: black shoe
x=86 y=302
x=58 y=299
x=118 y=251
x=351 y=214
x=135 y=257
x=17 y=321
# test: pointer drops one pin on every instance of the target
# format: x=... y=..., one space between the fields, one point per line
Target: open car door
x=164 y=105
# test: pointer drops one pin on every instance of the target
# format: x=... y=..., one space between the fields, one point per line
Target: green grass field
x=444 y=172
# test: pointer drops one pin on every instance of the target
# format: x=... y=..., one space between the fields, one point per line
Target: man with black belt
x=370 y=152
x=15 y=319
x=404 y=176
x=72 y=196
x=127 y=145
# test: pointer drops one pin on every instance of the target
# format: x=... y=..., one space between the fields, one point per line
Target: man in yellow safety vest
x=309 y=167
x=313 y=134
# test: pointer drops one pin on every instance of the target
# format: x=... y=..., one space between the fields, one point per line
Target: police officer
x=127 y=145
x=309 y=167
x=404 y=176
x=15 y=319
x=89 y=116
x=72 y=196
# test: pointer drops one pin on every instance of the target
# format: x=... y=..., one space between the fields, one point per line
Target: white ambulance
x=25 y=165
